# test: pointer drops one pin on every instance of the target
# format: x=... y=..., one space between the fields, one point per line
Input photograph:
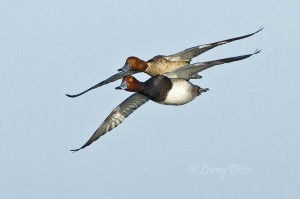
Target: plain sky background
x=250 y=117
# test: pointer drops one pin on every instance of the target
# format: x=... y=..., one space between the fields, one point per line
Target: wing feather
x=190 y=53
x=108 y=80
x=117 y=116
x=188 y=71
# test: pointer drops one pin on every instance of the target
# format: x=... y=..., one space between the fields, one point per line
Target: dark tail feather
x=202 y=90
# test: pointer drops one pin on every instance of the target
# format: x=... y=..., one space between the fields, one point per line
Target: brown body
x=156 y=66
x=160 y=65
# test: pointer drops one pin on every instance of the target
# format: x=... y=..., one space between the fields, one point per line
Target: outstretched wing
x=108 y=80
x=188 y=71
x=190 y=53
x=117 y=116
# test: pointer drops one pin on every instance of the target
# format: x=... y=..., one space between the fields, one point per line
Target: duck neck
x=140 y=65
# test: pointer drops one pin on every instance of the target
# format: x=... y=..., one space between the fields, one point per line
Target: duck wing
x=190 y=53
x=186 y=72
x=108 y=80
x=117 y=116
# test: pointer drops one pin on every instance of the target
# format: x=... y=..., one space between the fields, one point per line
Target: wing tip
x=75 y=150
x=260 y=29
x=71 y=96
x=257 y=51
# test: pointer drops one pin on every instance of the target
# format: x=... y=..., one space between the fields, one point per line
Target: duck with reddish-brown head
x=161 y=64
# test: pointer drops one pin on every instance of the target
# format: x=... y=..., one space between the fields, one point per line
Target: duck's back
x=159 y=65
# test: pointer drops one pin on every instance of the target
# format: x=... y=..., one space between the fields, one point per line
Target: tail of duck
x=201 y=90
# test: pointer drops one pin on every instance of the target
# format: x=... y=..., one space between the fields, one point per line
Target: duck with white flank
x=172 y=88
x=161 y=64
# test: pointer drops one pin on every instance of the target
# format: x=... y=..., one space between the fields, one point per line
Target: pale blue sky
x=250 y=116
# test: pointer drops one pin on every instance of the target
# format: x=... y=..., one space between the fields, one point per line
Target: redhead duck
x=163 y=90
x=172 y=88
x=160 y=64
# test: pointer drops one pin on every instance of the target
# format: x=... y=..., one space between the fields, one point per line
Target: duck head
x=134 y=64
x=129 y=83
